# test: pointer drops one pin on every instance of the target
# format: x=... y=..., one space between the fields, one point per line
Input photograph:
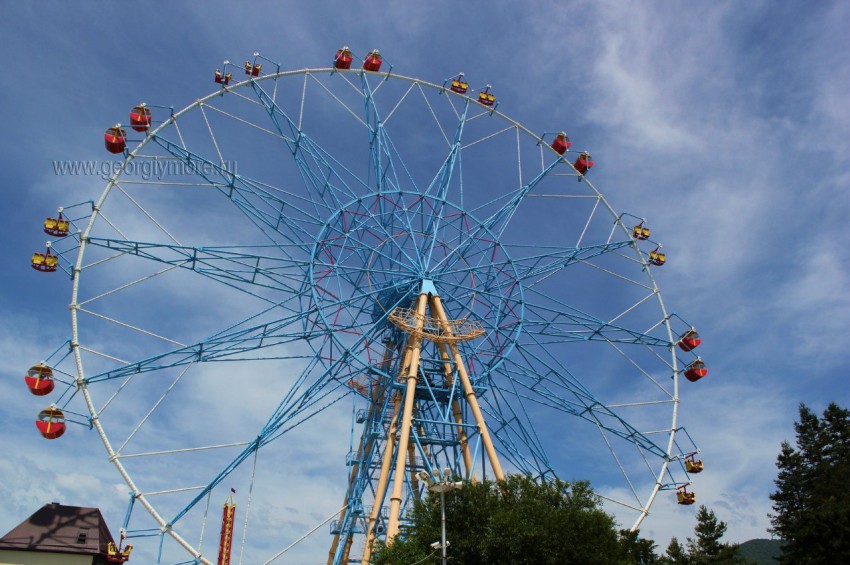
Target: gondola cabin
x=140 y=118
x=45 y=262
x=222 y=78
x=685 y=497
x=689 y=340
x=562 y=143
x=459 y=85
x=57 y=226
x=117 y=554
x=486 y=98
x=696 y=370
x=253 y=69
x=693 y=465
x=39 y=380
x=657 y=257
x=115 y=139
x=584 y=163
x=373 y=61
x=359 y=385
x=640 y=232
x=343 y=58
x=51 y=423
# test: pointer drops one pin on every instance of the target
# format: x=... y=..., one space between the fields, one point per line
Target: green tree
x=675 y=554
x=705 y=547
x=811 y=503
x=517 y=522
x=637 y=551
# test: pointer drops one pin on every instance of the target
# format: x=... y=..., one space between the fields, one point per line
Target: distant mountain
x=761 y=551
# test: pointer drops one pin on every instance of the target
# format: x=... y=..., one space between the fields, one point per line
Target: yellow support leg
x=406 y=421
x=469 y=393
x=456 y=413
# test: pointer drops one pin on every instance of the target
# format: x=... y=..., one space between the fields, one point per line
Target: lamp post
x=442 y=487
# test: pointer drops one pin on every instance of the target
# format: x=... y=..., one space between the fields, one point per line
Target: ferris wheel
x=364 y=276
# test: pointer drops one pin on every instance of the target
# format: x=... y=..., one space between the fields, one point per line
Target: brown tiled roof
x=60 y=529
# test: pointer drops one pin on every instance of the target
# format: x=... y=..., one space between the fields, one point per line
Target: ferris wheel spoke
x=387 y=163
x=515 y=431
x=503 y=274
x=326 y=187
x=532 y=269
x=487 y=236
x=439 y=188
x=391 y=198
x=379 y=143
x=556 y=321
x=493 y=227
x=500 y=219
x=240 y=343
x=251 y=266
x=235 y=344
x=545 y=380
x=320 y=384
x=275 y=216
x=298 y=406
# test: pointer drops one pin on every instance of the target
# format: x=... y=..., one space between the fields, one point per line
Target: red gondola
x=45 y=262
x=221 y=78
x=373 y=61
x=140 y=118
x=640 y=232
x=115 y=139
x=486 y=97
x=51 y=423
x=689 y=340
x=57 y=226
x=253 y=69
x=562 y=143
x=39 y=380
x=685 y=497
x=657 y=257
x=696 y=370
x=692 y=465
x=343 y=58
x=459 y=85
x=584 y=163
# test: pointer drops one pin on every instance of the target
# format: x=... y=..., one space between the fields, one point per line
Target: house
x=58 y=535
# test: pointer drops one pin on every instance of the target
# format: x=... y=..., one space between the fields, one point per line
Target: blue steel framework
x=370 y=190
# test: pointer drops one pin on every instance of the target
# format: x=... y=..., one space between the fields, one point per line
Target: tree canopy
x=518 y=521
x=811 y=503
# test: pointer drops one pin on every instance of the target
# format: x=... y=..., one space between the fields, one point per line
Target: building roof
x=60 y=529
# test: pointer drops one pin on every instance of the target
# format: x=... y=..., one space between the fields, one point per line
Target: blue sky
x=726 y=123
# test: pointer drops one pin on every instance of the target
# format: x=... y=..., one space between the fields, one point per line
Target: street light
x=442 y=487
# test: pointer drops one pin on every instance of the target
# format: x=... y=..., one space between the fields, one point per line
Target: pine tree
x=812 y=503
x=675 y=554
x=707 y=547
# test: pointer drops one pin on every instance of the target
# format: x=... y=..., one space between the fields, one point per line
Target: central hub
x=380 y=252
